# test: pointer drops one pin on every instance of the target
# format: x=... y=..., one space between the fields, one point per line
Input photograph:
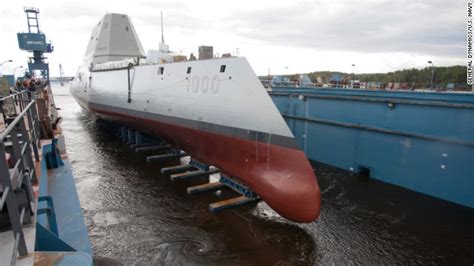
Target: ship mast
x=162 y=35
x=163 y=47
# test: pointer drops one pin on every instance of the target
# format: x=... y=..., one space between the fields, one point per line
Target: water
x=139 y=217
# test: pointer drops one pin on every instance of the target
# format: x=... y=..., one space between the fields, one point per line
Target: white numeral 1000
x=203 y=84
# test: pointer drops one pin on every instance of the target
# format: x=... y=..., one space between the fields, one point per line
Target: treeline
x=442 y=75
x=422 y=77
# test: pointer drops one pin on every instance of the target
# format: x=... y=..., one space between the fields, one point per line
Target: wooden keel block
x=176 y=169
x=190 y=174
x=164 y=157
x=230 y=203
x=139 y=145
x=204 y=187
x=153 y=147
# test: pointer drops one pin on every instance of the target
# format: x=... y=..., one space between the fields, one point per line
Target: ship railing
x=19 y=143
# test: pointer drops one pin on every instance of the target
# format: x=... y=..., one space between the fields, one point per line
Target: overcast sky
x=280 y=36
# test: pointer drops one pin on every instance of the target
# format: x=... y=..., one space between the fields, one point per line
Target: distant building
x=179 y=58
x=205 y=52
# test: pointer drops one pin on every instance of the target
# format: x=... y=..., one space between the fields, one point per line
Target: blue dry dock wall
x=418 y=140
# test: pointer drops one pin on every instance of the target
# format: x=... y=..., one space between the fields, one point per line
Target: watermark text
x=469 y=43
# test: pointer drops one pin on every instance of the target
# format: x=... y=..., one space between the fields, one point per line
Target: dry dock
x=136 y=215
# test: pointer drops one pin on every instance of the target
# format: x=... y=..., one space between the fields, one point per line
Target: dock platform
x=41 y=213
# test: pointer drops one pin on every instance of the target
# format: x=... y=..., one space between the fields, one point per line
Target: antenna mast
x=163 y=47
x=162 y=35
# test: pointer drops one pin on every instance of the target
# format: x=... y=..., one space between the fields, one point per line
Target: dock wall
x=421 y=141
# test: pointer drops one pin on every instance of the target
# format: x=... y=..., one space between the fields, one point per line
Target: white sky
x=283 y=36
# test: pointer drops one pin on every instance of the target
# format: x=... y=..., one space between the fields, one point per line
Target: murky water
x=137 y=216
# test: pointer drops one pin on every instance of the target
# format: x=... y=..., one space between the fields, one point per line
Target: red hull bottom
x=282 y=177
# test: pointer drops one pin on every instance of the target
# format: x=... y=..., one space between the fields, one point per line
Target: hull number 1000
x=203 y=84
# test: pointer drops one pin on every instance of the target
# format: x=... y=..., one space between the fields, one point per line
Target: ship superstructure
x=216 y=110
